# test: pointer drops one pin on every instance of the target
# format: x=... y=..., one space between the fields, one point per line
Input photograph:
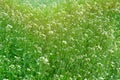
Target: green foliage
x=66 y=40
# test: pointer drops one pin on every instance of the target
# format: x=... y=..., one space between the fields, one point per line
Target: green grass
x=66 y=40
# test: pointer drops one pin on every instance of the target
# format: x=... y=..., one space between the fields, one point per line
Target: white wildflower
x=111 y=51
x=44 y=60
x=5 y=79
x=28 y=69
x=86 y=35
x=43 y=35
x=64 y=42
x=65 y=29
x=99 y=47
x=101 y=78
x=9 y=27
x=85 y=79
x=18 y=66
x=50 y=32
x=39 y=73
x=70 y=78
x=12 y=66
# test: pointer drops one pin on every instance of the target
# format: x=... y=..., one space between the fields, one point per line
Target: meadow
x=60 y=40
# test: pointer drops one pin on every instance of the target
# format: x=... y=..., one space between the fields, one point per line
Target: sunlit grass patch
x=70 y=40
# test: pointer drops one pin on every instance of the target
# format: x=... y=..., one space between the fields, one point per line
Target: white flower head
x=5 y=79
x=64 y=42
x=9 y=27
x=50 y=32
x=44 y=60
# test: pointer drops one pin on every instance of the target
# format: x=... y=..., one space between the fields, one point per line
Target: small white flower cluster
x=42 y=60
x=9 y=27
x=73 y=35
